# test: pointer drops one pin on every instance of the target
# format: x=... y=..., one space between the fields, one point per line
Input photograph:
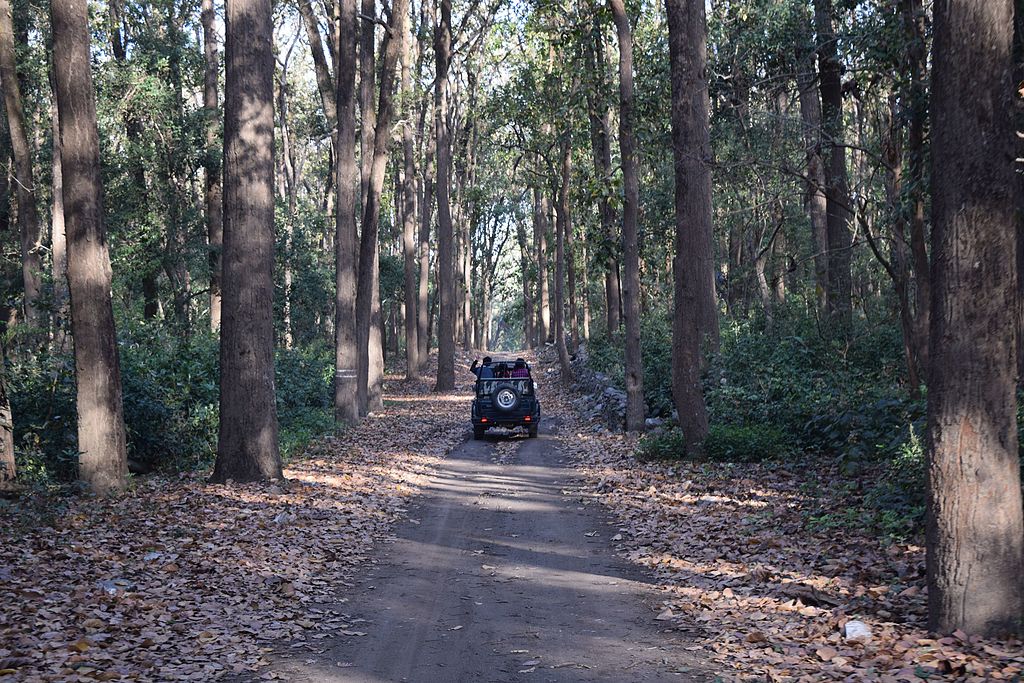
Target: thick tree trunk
x=102 y=461
x=692 y=271
x=346 y=402
x=28 y=212
x=561 y=218
x=630 y=248
x=837 y=193
x=412 y=358
x=247 y=448
x=975 y=531
x=445 y=242
x=211 y=162
x=368 y=291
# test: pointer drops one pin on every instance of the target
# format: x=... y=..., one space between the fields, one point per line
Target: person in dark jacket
x=484 y=371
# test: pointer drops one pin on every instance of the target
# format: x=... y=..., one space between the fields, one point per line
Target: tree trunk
x=412 y=358
x=837 y=194
x=568 y=234
x=368 y=291
x=600 y=134
x=58 y=234
x=561 y=218
x=630 y=248
x=917 y=64
x=211 y=162
x=975 y=531
x=367 y=91
x=445 y=246
x=102 y=460
x=426 y=218
x=247 y=448
x=540 y=228
x=526 y=263
x=8 y=468
x=324 y=82
x=691 y=271
x=28 y=213
x=815 y=201
x=346 y=402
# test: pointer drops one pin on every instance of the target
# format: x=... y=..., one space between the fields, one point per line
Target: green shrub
x=662 y=445
x=746 y=443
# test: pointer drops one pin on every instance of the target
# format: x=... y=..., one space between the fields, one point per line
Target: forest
x=785 y=232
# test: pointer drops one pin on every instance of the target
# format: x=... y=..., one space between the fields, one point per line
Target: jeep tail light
x=526 y=419
x=483 y=419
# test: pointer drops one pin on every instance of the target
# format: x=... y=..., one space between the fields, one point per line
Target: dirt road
x=501 y=574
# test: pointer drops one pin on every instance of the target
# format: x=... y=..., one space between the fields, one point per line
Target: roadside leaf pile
x=178 y=579
x=759 y=587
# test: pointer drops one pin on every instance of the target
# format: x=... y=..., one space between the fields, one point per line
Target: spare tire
x=506 y=398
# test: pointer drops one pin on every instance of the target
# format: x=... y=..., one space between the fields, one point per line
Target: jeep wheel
x=506 y=399
x=532 y=431
x=478 y=432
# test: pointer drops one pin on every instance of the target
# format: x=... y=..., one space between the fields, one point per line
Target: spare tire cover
x=506 y=398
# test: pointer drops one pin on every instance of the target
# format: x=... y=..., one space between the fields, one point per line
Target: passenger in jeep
x=484 y=371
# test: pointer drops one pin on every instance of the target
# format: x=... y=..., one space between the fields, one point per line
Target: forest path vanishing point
x=500 y=573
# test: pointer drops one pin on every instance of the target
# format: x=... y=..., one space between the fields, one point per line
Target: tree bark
x=324 y=82
x=692 y=270
x=412 y=358
x=24 y=177
x=540 y=228
x=211 y=162
x=630 y=247
x=368 y=291
x=247 y=447
x=8 y=467
x=975 y=530
x=561 y=218
x=837 y=193
x=600 y=145
x=346 y=401
x=58 y=234
x=102 y=461
x=526 y=263
x=815 y=201
x=445 y=242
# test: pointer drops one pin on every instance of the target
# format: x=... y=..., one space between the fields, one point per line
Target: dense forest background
x=819 y=152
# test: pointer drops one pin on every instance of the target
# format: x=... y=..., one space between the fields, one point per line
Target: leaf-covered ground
x=179 y=579
x=765 y=595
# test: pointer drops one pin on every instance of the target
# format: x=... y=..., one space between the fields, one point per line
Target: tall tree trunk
x=975 y=531
x=346 y=401
x=368 y=291
x=630 y=248
x=692 y=270
x=367 y=91
x=28 y=212
x=526 y=263
x=412 y=358
x=561 y=218
x=600 y=145
x=917 y=64
x=816 y=202
x=58 y=234
x=102 y=460
x=540 y=228
x=565 y=208
x=324 y=82
x=426 y=218
x=247 y=448
x=837 y=193
x=211 y=161
x=445 y=250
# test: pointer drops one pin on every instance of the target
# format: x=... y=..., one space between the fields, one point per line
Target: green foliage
x=171 y=403
x=746 y=443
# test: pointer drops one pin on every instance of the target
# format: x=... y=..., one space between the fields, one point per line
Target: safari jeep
x=505 y=402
